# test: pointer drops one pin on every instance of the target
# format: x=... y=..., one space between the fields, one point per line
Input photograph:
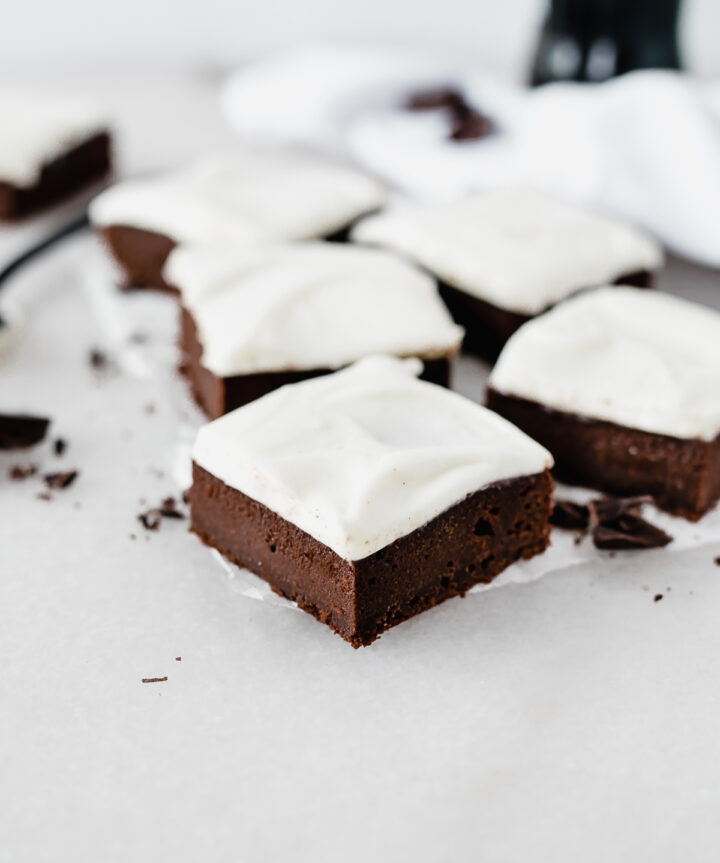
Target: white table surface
x=573 y=718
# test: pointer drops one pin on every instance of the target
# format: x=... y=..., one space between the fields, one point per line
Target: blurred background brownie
x=50 y=148
x=368 y=496
x=257 y=319
x=506 y=255
x=236 y=199
x=623 y=387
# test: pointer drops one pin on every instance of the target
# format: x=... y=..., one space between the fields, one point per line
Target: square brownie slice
x=229 y=200
x=623 y=387
x=368 y=496
x=50 y=148
x=504 y=256
x=257 y=319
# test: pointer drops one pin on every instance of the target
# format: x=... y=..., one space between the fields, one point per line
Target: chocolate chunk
x=150 y=520
x=22 y=471
x=154 y=679
x=657 y=597
x=60 y=480
x=434 y=99
x=470 y=125
x=569 y=515
x=18 y=431
x=629 y=532
x=606 y=509
x=59 y=446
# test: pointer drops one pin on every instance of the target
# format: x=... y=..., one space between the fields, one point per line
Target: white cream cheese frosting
x=243 y=197
x=36 y=129
x=516 y=248
x=641 y=359
x=308 y=306
x=364 y=456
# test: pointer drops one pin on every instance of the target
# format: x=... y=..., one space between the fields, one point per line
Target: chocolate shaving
x=434 y=99
x=59 y=446
x=470 y=125
x=151 y=519
x=168 y=509
x=607 y=509
x=18 y=431
x=60 y=480
x=22 y=471
x=154 y=679
x=466 y=123
x=629 y=532
x=569 y=515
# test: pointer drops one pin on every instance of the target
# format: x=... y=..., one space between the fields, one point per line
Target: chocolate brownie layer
x=59 y=179
x=488 y=327
x=219 y=395
x=141 y=254
x=470 y=543
x=682 y=475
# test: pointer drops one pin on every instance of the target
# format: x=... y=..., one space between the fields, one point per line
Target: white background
x=213 y=34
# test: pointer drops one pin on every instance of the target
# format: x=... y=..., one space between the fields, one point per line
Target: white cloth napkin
x=645 y=146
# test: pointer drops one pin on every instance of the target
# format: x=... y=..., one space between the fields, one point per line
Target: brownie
x=227 y=201
x=505 y=256
x=470 y=543
x=369 y=496
x=682 y=475
x=254 y=320
x=60 y=178
x=488 y=327
x=621 y=386
x=218 y=394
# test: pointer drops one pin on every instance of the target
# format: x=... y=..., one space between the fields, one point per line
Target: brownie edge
x=471 y=542
x=681 y=474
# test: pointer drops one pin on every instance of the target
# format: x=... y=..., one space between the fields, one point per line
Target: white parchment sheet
x=573 y=717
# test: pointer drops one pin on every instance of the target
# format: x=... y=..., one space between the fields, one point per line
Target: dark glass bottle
x=593 y=40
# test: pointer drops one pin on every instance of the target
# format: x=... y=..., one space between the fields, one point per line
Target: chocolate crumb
x=98 y=360
x=133 y=536
x=149 y=409
x=178 y=659
x=22 y=471
x=59 y=446
x=168 y=509
x=44 y=495
x=150 y=520
x=18 y=431
x=154 y=679
x=717 y=561
x=657 y=597
x=569 y=515
x=138 y=338
x=466 y=123
x=60 y=480
x=186 y=499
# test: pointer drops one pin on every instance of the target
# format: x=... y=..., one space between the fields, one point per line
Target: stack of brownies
x=318 y=330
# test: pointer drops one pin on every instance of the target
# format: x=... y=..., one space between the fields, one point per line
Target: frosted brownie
x=50 y=148
x=368 y=496
x=238 y=199
x=254 y=320
x=504 y=256
x=623 y=387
